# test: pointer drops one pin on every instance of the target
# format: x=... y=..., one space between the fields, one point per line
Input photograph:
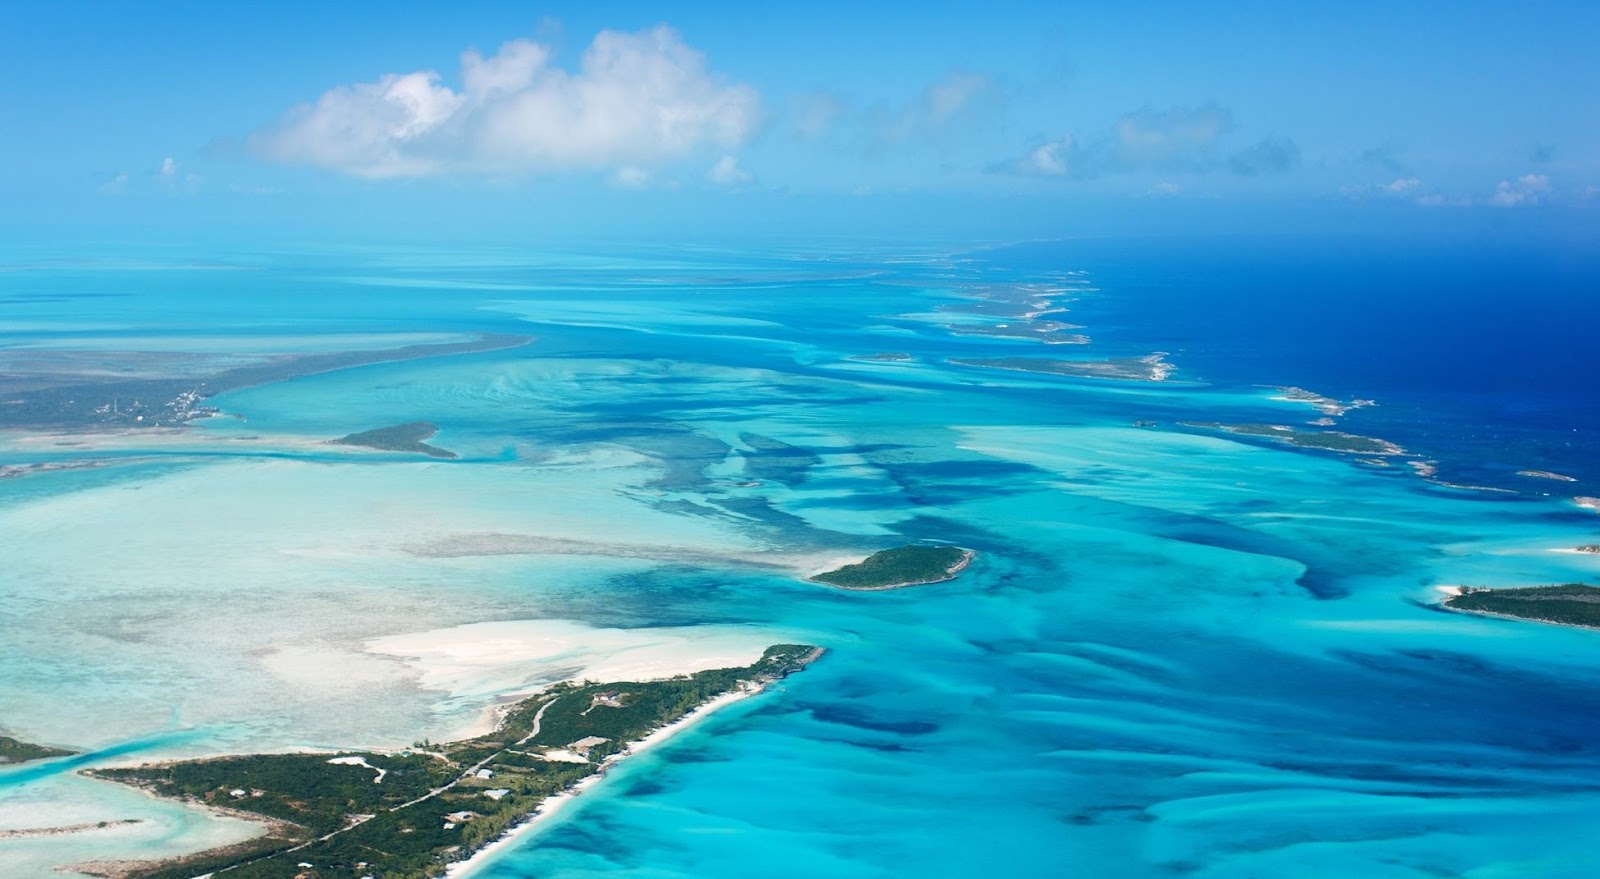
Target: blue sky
x=965 y=120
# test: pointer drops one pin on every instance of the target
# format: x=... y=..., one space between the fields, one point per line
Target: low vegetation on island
x=1150 y=368
x=406 y=437
x=408 y=815
x=1572 y=604
x=903 y=566
x=1326 y=440
x=13 y=752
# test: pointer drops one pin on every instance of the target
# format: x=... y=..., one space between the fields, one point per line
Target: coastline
x=553 y=805
x=1450 y=592
x=543 y=810
x=950 y=573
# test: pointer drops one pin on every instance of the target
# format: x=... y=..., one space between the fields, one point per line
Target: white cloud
x=1052 y=159
x=727 y=172
x=815 y=113
x=169 y=168
x=1166 y=189
x=938 y=105
x=116 y=184
x=1400 y=187
x=631 y=177
x=1525 y=190
x=1170 y=137
x=636 y=100
x=946 y=98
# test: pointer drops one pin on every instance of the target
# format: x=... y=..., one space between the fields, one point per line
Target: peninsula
x=1572 y=604
x=413 y=813
x=13 y=752
x=900 y=567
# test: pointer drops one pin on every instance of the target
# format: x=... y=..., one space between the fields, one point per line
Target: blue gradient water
x=1177 y=654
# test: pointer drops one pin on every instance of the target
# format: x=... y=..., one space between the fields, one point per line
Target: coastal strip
x=552 y=806
x=436 y=805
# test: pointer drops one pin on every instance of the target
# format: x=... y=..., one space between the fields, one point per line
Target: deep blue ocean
x=1178 y=653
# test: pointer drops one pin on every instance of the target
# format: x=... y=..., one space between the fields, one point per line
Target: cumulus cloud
x=1176 y=140
x=169 y=168
x=727 y=172
x=1529 y=189
x=1054 y=158
x=635 y=100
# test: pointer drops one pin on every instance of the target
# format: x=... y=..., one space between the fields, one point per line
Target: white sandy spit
x=512 y=659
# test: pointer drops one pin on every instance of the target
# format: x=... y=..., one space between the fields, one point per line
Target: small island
x=882 y=357
x=1588 y=547
x=1150 y=368
x=1572 y=604
x=411 y=814
x=900 y=567
x=1546 y=474
x=406 y=437
x=1328 y=406
x=13 y=752
x=1326 y=440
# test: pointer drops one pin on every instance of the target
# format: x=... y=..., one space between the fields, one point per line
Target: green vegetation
x=399 y=438
x=1326 y=440
x=1590 y=547
x=903 y=566
x=437 y=803
x=13 y=752
x=1573 y=604
x=1150 y=368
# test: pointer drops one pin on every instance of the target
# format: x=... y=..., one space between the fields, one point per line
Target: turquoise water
x=1176 y=654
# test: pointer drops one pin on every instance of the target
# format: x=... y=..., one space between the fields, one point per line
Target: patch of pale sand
x=515 y=658
x=137 y=826
x=562 y=755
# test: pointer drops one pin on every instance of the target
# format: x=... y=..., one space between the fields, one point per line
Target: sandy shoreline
x=553 y=805
x=1449 y=592
x=950 y=573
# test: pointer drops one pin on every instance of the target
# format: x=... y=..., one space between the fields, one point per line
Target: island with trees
x=1572 y=604
x=408 y=437
x=900 y=567
x=410 y=814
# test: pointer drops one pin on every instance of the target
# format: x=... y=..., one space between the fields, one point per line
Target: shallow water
x=1176 y=653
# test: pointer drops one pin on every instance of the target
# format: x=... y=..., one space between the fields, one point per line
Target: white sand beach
x=553 y=806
